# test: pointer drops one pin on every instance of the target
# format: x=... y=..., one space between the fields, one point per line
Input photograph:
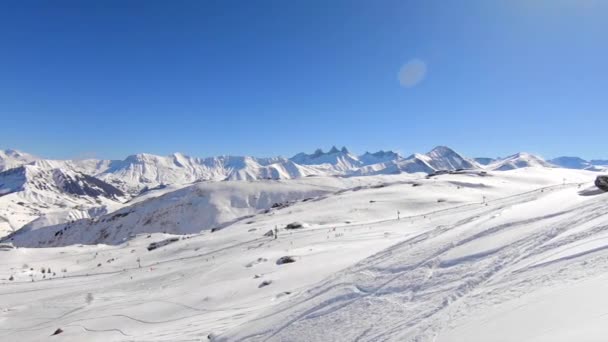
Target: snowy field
x=517 y=255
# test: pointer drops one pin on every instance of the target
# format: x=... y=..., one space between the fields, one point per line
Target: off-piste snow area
x=513 y=255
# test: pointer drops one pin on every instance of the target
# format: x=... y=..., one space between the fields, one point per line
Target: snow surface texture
x=518 y=255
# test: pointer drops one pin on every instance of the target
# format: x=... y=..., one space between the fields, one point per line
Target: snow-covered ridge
x=189 y=210
x=51 y=195
x=519 y=160
x=32 y=179
x=580 y=163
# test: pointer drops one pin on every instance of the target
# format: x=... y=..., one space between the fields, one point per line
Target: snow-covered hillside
x=477 y=256
x=47 y=196
x=204 y=206
x=525 y=267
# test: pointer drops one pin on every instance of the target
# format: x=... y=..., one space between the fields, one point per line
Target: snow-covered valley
x=476 y=255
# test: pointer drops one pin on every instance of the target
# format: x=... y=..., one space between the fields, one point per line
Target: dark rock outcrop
x=294 y=225
x=602 y=182
x=285 y=260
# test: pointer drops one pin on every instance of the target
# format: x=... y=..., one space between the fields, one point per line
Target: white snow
x=517 y=255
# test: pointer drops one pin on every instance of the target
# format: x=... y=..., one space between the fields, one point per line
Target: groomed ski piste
x=518 y=255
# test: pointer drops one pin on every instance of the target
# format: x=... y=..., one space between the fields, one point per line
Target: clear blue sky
x=112 y=78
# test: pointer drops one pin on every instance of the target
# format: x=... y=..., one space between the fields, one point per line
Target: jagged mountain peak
x=339 y=160
x=382 y=153
x=441 y=149
x=444 y=158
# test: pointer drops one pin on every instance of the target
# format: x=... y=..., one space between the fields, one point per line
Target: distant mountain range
x=140 y=172
x=580 y=164
x=38 y=192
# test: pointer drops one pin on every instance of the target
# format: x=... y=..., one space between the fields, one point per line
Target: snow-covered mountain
x=13 y=158
x=517 y=161
x=143 y=171
x=206 y=205
x=570 y=162
x=50 y=195
x=580 y=163
x=139 y=173
x=34 y=179
x=379 y=157
x=438 y=159
x=334 y=160
x=444 y=158
x=189 y=210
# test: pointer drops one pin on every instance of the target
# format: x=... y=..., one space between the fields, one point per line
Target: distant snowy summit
x=580 y=164
x=518 y=161
x=13 y=158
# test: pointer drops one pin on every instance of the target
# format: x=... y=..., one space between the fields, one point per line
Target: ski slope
x=515 y=255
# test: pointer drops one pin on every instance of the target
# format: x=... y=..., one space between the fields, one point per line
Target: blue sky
x=112 y=78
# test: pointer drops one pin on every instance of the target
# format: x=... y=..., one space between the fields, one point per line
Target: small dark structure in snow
x=269 y=233
x=286 y=260
x=6 y=246
x=158 y=244
x=294 y=225
x=602 y=182
x=57 y=332
x=265 y=283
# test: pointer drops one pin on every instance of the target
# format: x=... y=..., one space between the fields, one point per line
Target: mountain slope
x=30 y=192
x=185 y=211
x=142 y=171
x=12 y=158
x=444 y=158
x=570 y=162
x=518 y=160
x=524 y=267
